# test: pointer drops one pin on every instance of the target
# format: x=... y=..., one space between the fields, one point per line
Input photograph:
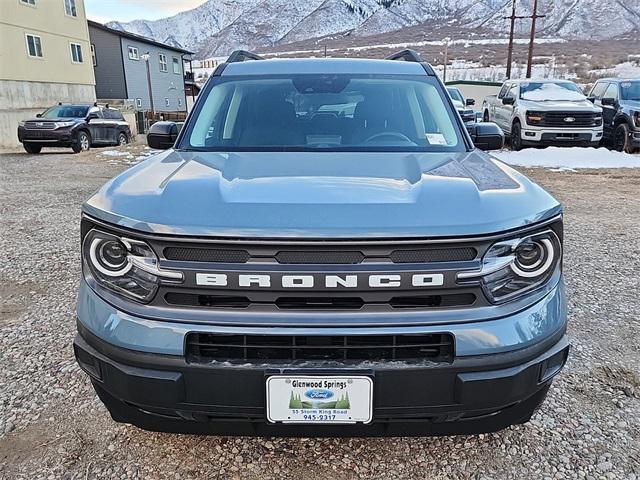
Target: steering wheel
x=396 y=135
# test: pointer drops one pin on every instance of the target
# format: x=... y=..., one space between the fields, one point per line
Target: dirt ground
x=52 y=426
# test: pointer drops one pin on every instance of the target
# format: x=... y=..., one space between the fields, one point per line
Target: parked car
x=274 y=272
x=78 y=126
x=620 y=102
x=544 y=112
x=462 y=104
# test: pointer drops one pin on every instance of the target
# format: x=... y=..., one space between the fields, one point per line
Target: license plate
x=319 y=399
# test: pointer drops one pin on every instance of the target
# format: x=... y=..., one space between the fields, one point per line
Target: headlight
x=64 y=124
x=534 y=118
x=513 y=267
x=123 y=265
x=636 y=119
x=598 y=120
x=21 y=123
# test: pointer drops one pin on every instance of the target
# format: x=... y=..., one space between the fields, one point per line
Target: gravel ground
x=53 y=426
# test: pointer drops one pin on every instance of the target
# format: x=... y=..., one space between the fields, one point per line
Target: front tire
x=32 y=147
x=122 y=139
x=83 y=142
x=516 y=137
x=621 y=139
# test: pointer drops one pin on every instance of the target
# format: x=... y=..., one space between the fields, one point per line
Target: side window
x=513 y=91
x=504 y=90
x=97 y=111
x=612 y=91
x=598 y=89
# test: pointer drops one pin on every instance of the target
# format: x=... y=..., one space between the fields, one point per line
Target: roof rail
x=243 y=55
x=407 y=55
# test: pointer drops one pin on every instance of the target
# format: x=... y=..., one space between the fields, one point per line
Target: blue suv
x=322 y=250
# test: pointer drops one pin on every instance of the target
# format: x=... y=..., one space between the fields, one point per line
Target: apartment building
x=145 y=74
x=45 y=58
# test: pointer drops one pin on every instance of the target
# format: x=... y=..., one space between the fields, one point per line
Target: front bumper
x=560 y=136
x=501 y=373
x=60 y=137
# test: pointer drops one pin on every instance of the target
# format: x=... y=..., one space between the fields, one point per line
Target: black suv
x=620 y=102
x=74 y=125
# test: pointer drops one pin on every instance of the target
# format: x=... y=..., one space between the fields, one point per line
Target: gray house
x=120 y=61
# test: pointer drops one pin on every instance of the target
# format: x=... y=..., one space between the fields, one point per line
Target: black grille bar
x=207 y=347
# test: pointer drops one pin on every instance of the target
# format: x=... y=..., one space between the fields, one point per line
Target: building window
x=76 y=53
x=166 y=102
x=163 y=63
x=70 y=8
x=94 y=58
x=176 y=65
x=133 y=53
x=34 y=46
x=139 y=102
x=31 y=3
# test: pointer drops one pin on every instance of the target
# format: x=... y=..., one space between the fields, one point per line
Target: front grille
x=307 y=256
x=334 y=302
x=580 y=119
x=206 y=255
x=208 y=347
x=40 y=125
x=434 y=255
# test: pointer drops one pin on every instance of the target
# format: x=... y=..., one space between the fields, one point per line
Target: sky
x=126 y=10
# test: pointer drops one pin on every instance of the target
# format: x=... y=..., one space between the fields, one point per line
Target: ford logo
x=569 y=119
x=318 y=394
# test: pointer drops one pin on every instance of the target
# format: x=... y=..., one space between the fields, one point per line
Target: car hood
x=321 y=195
x=561 y=105
x=55 y=119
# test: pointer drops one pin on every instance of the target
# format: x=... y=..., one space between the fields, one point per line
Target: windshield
x=630 y=90
x=455 y=95
x=549 y=91
x=66 y=111
x=325 y=112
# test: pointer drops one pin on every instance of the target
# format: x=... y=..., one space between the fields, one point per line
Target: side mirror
x=469 y=101
x=162 y=135
x=609 y=102
x=38 y=115
x=508 y=100
x=92 y=116
x=592 y=99
x=487 y=136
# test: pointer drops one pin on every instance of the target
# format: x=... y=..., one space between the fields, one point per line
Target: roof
x=138 y=38
x=617 y=79
x=323 y=65
x=539 y=80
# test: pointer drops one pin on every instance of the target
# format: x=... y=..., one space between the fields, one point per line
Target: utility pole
x=446 y=58
x=534 y=17
x=513 y=17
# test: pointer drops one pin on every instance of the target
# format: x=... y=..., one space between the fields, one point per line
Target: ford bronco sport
x=322 y=251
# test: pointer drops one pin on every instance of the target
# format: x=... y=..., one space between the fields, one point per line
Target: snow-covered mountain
x=218 y=26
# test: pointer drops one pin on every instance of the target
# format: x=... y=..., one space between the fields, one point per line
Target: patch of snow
x=622 y=70
x=114 y=153
x=569 y=158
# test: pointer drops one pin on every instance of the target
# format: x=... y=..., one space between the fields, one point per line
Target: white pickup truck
x=544 y=112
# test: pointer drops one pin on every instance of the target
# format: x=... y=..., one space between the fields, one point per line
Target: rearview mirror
x=38 y=115
x=609 y=102
x=591 y=99
x=162 y=135
x=508 y=101
x=92 y=116
x=469 y=101
x=487 y=136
